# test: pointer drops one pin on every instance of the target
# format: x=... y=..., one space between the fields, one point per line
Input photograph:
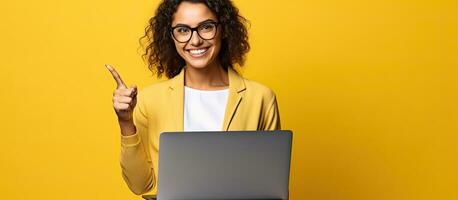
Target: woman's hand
x=124 y=101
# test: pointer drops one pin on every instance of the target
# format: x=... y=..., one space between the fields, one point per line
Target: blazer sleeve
x=137 y=170
x=272 y=116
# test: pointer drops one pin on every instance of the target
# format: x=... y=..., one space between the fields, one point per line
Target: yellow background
x=368 y=87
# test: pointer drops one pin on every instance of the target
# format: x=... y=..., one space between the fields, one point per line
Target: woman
x=196 y=45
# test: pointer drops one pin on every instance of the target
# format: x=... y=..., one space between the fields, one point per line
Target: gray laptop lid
x=224 y=165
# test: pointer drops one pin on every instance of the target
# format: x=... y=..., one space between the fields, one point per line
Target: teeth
x=197 y=51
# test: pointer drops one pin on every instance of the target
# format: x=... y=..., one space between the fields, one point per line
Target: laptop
x=231 y=165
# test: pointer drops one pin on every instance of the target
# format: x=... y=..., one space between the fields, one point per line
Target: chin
x=197 y=64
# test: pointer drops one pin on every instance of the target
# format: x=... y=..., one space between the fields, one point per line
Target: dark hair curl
x=160 y=52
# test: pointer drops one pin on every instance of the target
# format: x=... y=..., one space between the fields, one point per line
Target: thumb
x=134 y=90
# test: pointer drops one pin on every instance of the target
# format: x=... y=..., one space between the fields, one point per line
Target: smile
x=197 y=52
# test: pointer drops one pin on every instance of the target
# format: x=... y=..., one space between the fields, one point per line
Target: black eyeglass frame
x=195 y=29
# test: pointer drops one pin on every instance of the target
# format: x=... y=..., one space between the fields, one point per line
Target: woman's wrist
x=127 y=127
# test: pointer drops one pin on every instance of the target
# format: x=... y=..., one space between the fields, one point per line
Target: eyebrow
x=202 y=22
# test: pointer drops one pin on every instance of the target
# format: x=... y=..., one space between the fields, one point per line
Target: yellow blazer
x=250 y=106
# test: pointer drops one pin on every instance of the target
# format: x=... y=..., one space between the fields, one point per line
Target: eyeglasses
x=206 y=30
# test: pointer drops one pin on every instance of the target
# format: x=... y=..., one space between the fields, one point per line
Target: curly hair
x=160 y=52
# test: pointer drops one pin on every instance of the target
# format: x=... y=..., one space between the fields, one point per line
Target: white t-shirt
x=204 y=109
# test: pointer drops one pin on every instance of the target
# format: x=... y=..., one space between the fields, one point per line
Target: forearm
x=137 y=171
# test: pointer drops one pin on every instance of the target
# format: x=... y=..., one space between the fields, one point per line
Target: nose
x=195 y=39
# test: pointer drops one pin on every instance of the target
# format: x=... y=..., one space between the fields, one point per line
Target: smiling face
x=197 y=52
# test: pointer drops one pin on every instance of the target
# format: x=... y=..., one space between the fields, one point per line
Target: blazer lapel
x=236 y=91
x=176 y=92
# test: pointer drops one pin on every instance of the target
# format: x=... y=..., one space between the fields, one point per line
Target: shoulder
x=159 y=88
x=259 y=91
x=154 y=91
x=155 y=88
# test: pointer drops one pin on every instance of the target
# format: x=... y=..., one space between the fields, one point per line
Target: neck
x=212 y=77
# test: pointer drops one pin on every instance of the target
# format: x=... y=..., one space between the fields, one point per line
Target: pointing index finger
x=119 y=82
